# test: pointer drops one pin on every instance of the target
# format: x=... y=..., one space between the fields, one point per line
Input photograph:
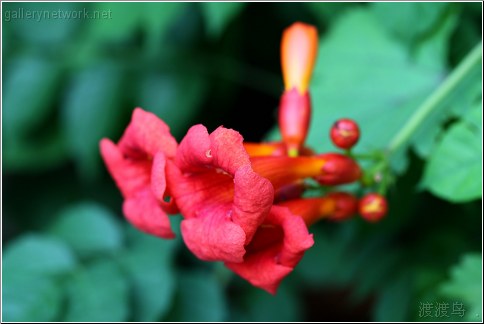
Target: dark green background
x=68 y=254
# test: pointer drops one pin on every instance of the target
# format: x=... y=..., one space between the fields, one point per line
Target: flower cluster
x=242 y=203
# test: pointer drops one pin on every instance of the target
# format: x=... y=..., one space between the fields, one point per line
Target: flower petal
x=194 y=153
x=228 y=150
x=147 y=134
x=212 y=236
x=144 y=212
x=271 y=255
x=130 y=175
x=253 y=197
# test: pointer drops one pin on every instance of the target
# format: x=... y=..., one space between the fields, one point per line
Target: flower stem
x=437 y=97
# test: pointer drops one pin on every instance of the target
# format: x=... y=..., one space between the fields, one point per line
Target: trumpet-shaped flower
x=276 y=248
x=221 y=197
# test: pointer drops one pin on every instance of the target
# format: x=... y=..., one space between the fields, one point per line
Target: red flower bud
x=294 y=117
x=373 y=207
x=345 y=133
x=346 y=205
x=338 y=169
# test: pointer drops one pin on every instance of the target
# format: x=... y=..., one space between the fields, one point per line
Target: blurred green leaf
x=157 y=17
x=175 y=98
x=27 y=298
x=454 y=171
x=90 y=111
x=90 y=229
x=321 y=264
x=44 y=23
x=394 y=300
x=29 y=94
x=219 y=14
x=264 y=307
x=122 y=19
x=364 y=75
x=97 y=292
x=466 y=284
x=38 y=255
x=409 y=20
x=200 y=298
x=458 y=101
x=328 y=12
x=149 y=264
x=40 y=153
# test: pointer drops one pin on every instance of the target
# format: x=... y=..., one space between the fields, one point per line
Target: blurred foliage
x=70 y=256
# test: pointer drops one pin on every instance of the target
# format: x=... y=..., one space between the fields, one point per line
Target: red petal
x=158 y=177
x=144 y=212
x=212 y=236
x=129 y=175
x=194 y=150
x=227 y=150
x=253 y=196
x=147 y=134
x=273 y=256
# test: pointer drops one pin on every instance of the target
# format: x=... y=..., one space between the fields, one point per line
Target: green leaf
x=363 y=74
x=328 y=12
x=454 y=171
x=44 y=23
x=394 y=301
x=45 y=151
x=27 y=298
x=264 y=307
x=199 y=298
x=409 y=20
x=219 y=14
x=97 y=293
x=175 y=98
x=30 y=88
x=457 y=102
x=157 y=17
x=90 y=112
x=38 y=255
x=123 y=18
x=466 y=284
x=321 y=263
x=89 y=229
x=149 y=264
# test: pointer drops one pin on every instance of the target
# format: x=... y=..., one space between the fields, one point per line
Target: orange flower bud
x=338 y=169
x=346 y=205
x=299 y=47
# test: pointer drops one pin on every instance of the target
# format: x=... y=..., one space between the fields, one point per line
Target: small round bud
x=373 y=207
x=345 y=133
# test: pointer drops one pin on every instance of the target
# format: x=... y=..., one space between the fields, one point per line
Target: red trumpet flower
x=276 y=248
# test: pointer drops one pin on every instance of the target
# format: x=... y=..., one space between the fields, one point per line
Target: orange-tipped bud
x=373 y=207
x=299 y=47
x=336 y=206
x=272 y=149
x=294 y=117
x=346 y=205
x=338 y=169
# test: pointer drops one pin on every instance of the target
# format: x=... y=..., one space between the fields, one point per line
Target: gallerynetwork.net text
x=39 y=15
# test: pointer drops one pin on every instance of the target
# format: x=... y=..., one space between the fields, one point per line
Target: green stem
x=436 y=98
